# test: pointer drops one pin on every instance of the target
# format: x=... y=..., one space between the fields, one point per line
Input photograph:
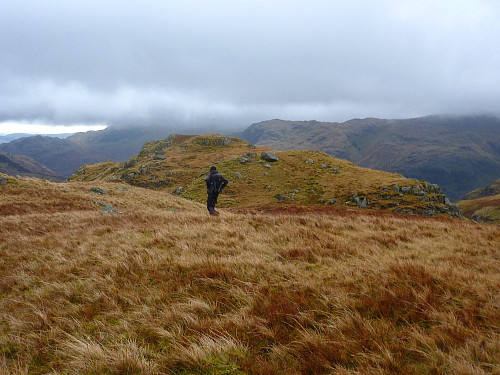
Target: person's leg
x=216 y=195
x=211 y=201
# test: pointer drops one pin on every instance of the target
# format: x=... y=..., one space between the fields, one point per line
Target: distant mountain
x=10 y=137
x=483 y=204
x=65 y=156
x=25 y=166
x=458 y=153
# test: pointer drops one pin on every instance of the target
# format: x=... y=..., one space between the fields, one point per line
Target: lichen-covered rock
x=108 y=209
x=222 y=141
x=269 y=156
x=98 y=190
x=362 y=202
x=179 y=190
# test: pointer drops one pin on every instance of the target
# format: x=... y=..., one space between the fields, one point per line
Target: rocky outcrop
x=269 y=156
x=3 y=180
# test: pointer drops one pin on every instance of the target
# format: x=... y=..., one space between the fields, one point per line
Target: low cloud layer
x=231 y=63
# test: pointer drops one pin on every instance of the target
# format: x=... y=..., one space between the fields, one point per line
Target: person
x=215 y=184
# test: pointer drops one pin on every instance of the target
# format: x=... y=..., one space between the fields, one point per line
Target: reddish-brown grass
x=164 y=288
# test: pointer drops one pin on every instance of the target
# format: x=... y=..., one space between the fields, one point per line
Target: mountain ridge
x=458 y=153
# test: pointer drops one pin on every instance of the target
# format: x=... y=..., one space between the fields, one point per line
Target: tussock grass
x=166 y=289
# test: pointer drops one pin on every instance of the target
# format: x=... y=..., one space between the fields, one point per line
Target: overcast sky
x=232 y=63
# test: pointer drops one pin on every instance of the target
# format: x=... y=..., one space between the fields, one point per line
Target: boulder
x=108 y=209
x=361 y=202
x=179 y=190
x=244 y=160
x=160 y=156
x=98 y=190
x=269 y=156
x=280 y=197
x=266 y=166
x=332 y=201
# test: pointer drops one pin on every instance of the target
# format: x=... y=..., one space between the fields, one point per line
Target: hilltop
x=160 y=287
x=25 y=166
x=483 y=204
x=460 y=154
x=179 y=164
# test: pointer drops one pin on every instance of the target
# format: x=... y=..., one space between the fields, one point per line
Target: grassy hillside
x=458 y=153
x=25 y=166
x=179 y=164
x=163 y=288
x=483 y=204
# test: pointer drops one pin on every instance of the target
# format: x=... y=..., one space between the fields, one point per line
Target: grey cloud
x=235 y=62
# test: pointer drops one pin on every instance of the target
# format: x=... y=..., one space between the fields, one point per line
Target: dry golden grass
x=299 y=177
x=164 y=288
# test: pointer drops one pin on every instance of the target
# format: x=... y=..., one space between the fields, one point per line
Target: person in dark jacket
x=215 y=184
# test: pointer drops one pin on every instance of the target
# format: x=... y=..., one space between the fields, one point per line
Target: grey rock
x=266 y=166
x=280 y=197
x=131 y=162
x=244 y=160
x=406 y=189
x=395 y=188
x=325 y=166
x=251 y=156
x=267 y=187
x=108 y=209
x=238 y=176
x=3 y=180
x=179 y=190
x=98 y=190
x=332 y=201
x=321 y=200
x=269 y=156
x=222 y=141
x=297 y=190
x=361 y=202
x=309 y=161
x=122 y=188
x=266 y=174
x=335 y=170
x=431 y=188
x=160 y=156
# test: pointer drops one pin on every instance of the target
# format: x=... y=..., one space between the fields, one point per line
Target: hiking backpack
x=216 y=181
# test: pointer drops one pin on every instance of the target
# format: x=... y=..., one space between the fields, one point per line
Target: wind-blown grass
x=166 y=289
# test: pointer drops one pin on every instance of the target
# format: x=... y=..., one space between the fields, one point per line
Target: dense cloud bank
x=231 y=63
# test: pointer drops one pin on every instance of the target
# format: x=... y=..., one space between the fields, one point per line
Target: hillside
x=179 y=164
x=65 y=156
x=25 y=166
x=483 y=204
x=163 y=288
x=459 y=154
